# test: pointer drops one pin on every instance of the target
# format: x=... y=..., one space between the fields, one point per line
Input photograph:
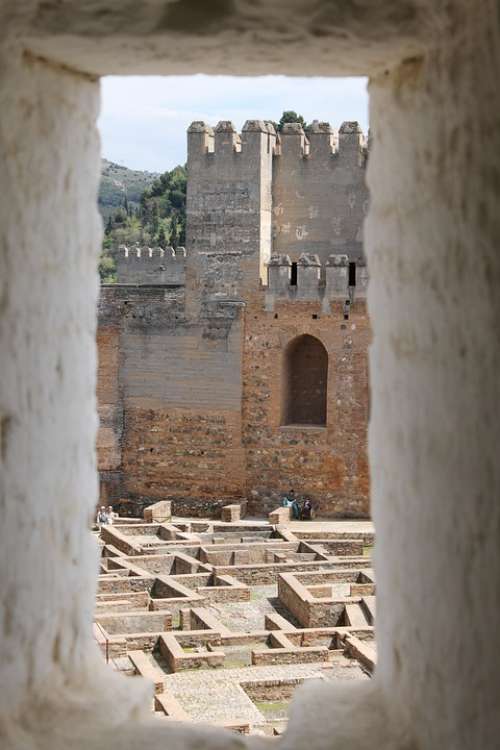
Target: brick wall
x=169 y=401
x=109 y=401
x=192 y=411
x=329 y=464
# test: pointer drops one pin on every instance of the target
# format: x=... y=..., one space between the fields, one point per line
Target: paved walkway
x=216 y=695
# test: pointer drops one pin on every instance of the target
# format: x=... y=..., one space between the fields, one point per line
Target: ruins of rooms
x=228 y=617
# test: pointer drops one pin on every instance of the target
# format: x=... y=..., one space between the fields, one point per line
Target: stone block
x=231 y=513
x=159 y=512
x=280 y=515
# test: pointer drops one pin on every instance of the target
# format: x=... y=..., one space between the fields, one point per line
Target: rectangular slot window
x=352 y=274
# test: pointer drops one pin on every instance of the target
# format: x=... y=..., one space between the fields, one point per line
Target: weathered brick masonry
x=328 y=463
x=193 y=346
x=177 y=395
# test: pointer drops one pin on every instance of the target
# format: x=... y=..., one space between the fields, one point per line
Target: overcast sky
x=143 y=120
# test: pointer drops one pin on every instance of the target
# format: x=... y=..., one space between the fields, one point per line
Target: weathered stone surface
x=319 y=193
x=231 y=513
x=160 y=512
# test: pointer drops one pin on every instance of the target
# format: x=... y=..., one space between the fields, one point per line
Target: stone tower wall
x=146 y=265
x=319 y=193
x=228 y=209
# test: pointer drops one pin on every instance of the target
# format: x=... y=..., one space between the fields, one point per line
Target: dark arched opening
x=305 y=376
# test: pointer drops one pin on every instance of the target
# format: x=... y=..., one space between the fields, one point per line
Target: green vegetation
x=107 y=269
x=121 y=187
x=290 y=116
x=236 y=663
x=272 y=709
x=159 y=218
x=156 y=217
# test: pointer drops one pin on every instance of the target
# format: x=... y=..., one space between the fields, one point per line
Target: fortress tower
x=236 y=368
x=319 y=192
x=228 y=208
x=259 y=193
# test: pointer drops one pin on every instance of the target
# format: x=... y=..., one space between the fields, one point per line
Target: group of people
x=300 y=511
x=105 y=515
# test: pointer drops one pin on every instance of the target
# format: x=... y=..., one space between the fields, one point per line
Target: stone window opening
x=432 y=174
x=352 y=274
x=305 y=382
x=293 y=274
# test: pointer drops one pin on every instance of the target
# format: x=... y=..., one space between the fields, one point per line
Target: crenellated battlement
x=228 y=206
x=320 y=141
x=150 y=265
x=309 y=279
x=318 y=189
x=224 y=139
x=299 y=192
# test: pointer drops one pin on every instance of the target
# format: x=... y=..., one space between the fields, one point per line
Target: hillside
x=156 y=216
x=120 y=185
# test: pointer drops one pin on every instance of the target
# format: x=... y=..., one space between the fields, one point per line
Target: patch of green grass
x=236 y=663
x=272 y=709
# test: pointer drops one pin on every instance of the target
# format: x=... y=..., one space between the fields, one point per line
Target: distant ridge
x=119 y=185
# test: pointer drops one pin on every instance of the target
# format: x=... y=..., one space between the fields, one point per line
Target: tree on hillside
x=162 y=239
x=173 y=232
x=107 y=268
x=155 y=219
x=160 y=218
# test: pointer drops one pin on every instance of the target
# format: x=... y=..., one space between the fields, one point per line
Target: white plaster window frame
x=432 y=247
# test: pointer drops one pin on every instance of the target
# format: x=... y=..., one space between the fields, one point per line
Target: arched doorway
x=305 y=376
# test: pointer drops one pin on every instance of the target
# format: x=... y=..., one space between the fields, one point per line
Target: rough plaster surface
x=432 y=247
x=227 y=36
x=435 y=367
x=48 y=291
